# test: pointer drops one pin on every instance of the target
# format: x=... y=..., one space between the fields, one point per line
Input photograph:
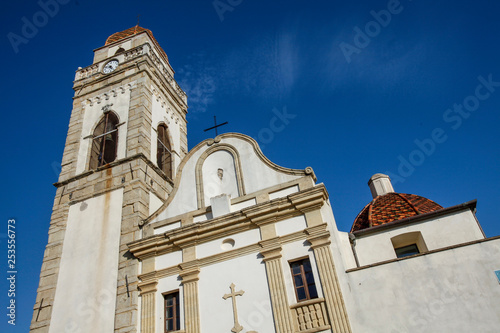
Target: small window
x=406 y=251
x=172 y=319
x=104 y=142
x=303 y=280
x=164 y=154
x=408 y=244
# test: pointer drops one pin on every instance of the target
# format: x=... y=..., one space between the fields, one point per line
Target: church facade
x=146 y=236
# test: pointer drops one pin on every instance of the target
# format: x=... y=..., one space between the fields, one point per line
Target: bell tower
x=127 y=136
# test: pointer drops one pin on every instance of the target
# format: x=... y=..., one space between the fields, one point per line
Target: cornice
x=113 y=164
x=267 y=249
x=246 y=219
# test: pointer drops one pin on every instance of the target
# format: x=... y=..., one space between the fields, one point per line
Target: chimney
x=380 y=184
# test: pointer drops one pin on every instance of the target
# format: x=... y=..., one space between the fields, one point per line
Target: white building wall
x=168 y=260
x=438 y=232
x=454 y=290
x=154 y=202
x=257 y=175
x=86 y=286
x=231 y=242
x=254 y=306
x=185 y=196
x=291 y=225
x=244 y=204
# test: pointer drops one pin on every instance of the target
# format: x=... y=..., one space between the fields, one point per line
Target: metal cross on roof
x=215 y=127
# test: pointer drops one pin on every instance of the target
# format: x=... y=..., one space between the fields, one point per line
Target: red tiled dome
x=392 y=207
x=117 y=36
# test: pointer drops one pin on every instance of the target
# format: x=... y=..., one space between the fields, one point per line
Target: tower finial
x=138 y=16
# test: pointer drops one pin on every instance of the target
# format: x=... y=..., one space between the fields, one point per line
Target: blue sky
x=390 y=103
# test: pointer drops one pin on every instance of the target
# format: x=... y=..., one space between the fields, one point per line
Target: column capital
x=271 y=248
x=191 y=274
x=148 y=287
x=318 y=236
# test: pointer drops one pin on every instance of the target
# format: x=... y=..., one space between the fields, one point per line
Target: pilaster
x=271 y=251
x=190 y=277
x=319 y=238
x=148 y=309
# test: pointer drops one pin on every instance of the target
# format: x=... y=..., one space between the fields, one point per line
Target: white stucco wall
x=218 y=245
x=244 y=204
x=168 y=260
x=167 y=227
x=438 y=232
x=450 y=291
x=257 y=175
x=254 y=307
x=291 y=225
x=184 y=199
x=86 y=286
x=284 y=192
x=154 y=202
x=93 y=113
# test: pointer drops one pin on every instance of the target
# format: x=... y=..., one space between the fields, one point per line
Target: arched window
x=105 y=141
x=164 y=151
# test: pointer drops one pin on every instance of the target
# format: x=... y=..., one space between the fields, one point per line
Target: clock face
x=110 y=66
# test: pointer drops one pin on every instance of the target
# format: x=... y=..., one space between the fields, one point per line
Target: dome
x=117 y=36
x=392 y=207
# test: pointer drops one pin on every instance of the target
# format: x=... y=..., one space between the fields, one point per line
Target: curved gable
x=231 y=162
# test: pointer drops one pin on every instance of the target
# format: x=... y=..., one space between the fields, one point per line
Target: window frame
x=176 y=313
x=308 y=287
x=398 y=255
x=162 y=148
x=97 y=155
x=407 y=239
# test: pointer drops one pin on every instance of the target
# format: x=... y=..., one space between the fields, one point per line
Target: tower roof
x=392 y=207
x=117 y=36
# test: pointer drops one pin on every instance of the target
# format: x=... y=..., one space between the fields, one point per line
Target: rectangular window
x=406 y=251
x=172 y=319
x=303 y=280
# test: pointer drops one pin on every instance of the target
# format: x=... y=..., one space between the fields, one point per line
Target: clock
x=110 y=66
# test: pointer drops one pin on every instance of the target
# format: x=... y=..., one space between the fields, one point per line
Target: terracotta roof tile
x=117 y=36
x=392 y=207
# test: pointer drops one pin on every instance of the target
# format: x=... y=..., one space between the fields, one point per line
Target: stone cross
x=237 y=327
